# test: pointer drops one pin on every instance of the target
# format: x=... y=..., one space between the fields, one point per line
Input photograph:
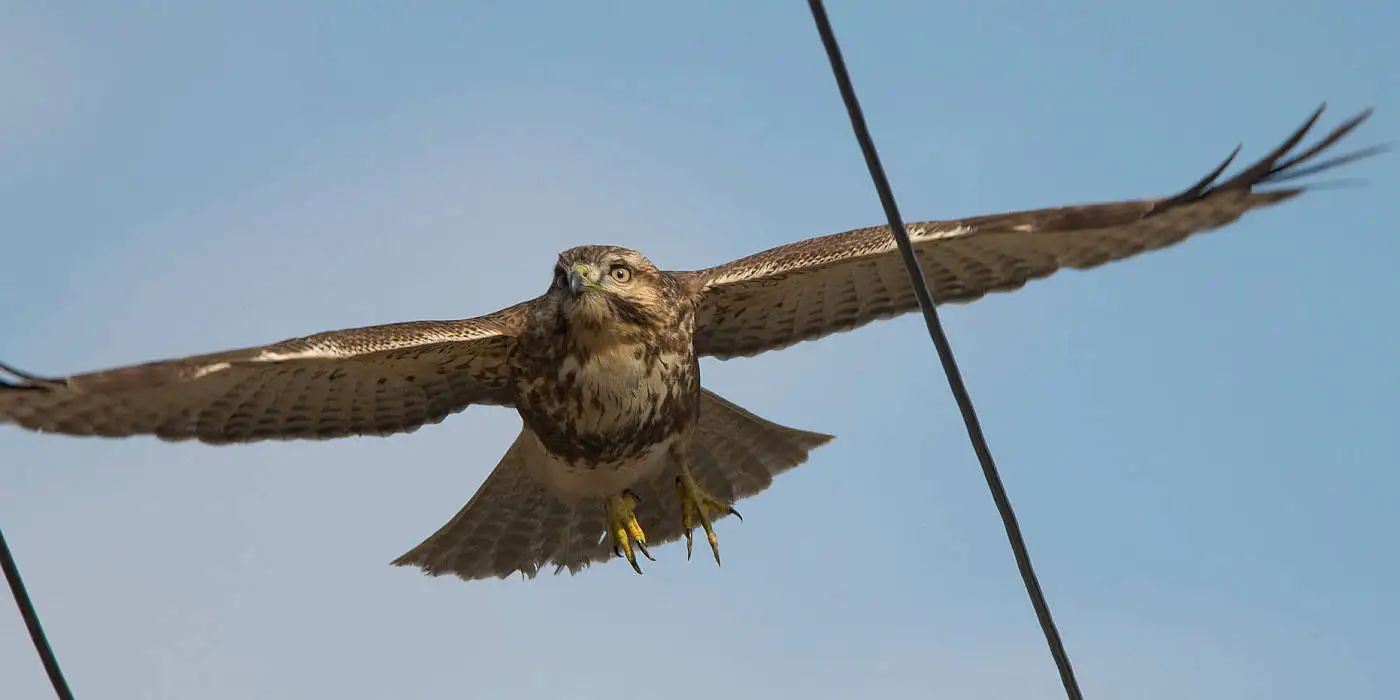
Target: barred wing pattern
x=377 y=380
x=836 y=283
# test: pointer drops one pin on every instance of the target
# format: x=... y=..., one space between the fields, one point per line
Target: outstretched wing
x=812 y=288
x=377 y=380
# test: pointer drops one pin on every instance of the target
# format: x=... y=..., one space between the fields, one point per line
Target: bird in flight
x=620 y=445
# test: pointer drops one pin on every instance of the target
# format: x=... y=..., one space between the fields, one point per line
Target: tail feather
x=735 y=454
x=514 y=524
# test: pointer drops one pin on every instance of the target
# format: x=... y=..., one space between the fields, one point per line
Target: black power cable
x=945 y=352
x=31 y=621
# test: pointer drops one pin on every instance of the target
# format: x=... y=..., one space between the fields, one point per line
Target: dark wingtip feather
x=1334 y=162
x=26 y=380
x=1268 y=164
x=1333 y=184
x=1274 y=168
x=1336 y=135
x=1204 y=183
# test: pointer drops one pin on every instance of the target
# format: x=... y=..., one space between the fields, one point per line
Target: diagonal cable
x=945 y=353
x=31 y=621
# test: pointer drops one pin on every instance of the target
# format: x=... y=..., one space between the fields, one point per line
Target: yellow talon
x=620 y=512
x=696 y=506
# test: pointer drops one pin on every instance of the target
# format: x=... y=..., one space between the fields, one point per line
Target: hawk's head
x=615 y=291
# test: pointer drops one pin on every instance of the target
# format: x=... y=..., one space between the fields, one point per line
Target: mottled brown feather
x=812 y=288
x=377 y=380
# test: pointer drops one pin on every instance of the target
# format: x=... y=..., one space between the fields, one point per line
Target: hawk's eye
x=621 y=273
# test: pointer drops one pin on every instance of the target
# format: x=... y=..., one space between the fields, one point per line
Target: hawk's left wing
x=377 y=380
x=812 y=288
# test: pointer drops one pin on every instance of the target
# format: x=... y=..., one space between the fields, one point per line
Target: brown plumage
x=603 y=368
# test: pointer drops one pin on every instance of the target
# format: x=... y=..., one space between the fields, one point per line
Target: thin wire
x=31 y=620
x=945 y=353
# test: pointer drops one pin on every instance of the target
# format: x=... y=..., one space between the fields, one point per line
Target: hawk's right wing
x=377 y=380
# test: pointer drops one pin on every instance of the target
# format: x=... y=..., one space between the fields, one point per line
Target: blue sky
x=1200 y=442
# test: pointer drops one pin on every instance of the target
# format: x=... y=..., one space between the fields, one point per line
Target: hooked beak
x=578 y=279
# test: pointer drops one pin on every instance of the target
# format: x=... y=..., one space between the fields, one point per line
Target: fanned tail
x=513 y=524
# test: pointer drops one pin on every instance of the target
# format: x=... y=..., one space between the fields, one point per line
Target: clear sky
x=1201 y=442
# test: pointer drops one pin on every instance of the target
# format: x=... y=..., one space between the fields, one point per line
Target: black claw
x=643 y=549
x=735 y=513
x=689 y=544
x=635 y=568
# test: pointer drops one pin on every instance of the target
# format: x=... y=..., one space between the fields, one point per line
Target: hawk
x=620 y=445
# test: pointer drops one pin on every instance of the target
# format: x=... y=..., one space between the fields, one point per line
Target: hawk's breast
x=611 y=412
